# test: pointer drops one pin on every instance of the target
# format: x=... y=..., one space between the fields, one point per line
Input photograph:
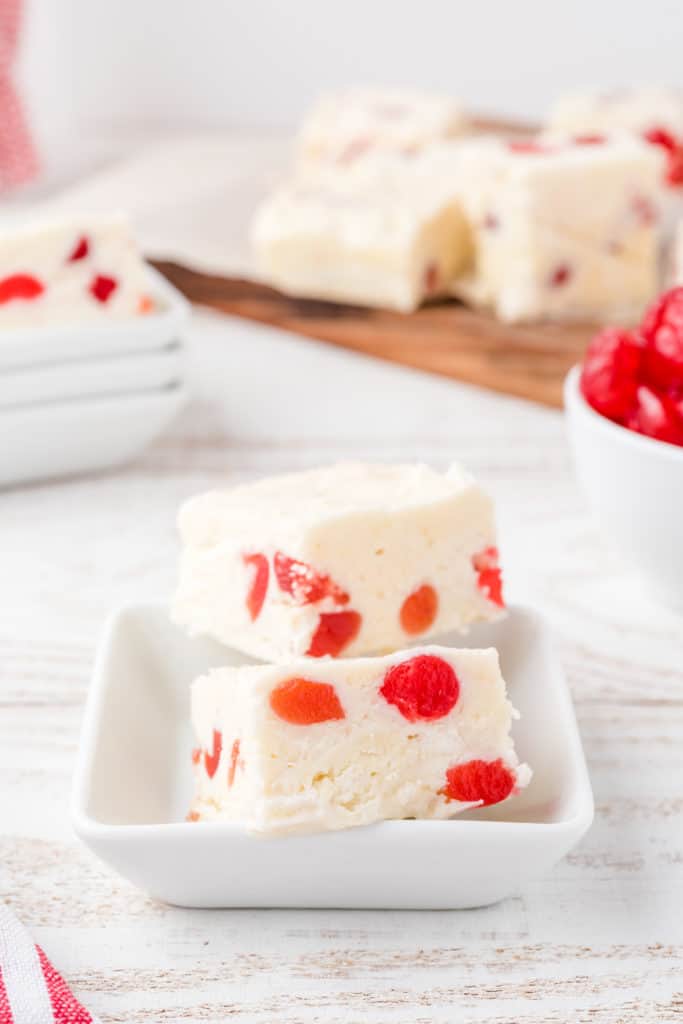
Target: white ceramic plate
x=90 y=378
x=133 y=783
x=26 y=346
x=64 y=438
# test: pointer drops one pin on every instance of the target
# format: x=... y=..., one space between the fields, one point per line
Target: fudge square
x=318 y=745
x=71 y=271
x=385 y=245
x=342 y=126
x=560 y=230
x=349 y=559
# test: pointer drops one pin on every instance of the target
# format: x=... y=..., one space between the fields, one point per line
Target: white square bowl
x=133 y=786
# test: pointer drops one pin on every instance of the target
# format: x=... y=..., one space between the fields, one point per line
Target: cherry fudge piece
x=388 y=244
x=634 y=110
x=78 y=271
x=561 y=230
x=349 y=559
x=344 y=126
x=310 y=746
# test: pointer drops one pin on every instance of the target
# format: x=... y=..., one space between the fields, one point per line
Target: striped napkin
x=31 y=990
x=18 y=159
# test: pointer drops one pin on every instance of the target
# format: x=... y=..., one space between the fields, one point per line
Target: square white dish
x=53 y=439
x=165 y=324
x=133 y=785
x=88 y=378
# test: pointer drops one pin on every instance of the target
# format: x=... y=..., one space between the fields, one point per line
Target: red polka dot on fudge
x=423 y=688
x=334 y=632
x=258 y=585
x=483 y=782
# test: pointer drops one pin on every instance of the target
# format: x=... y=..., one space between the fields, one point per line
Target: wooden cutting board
x=527 y=361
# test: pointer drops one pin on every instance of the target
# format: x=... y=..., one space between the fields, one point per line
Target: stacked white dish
x=84 y=397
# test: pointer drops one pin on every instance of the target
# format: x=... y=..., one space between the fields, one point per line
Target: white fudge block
x=343 y=126
x=637 y=110
x=311 y=746
x=561 y=231
x=76 y=271
x=349 y=559
x=386 y=247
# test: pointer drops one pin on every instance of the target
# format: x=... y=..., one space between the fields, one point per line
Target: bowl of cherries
x=625 y=414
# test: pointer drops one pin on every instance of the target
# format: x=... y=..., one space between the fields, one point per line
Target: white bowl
x=635 y=487
x=133 y=786
x=91 y=378
x=53 y=439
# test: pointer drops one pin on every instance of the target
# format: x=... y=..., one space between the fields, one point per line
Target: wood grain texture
x=597 y=941
x=528 y=361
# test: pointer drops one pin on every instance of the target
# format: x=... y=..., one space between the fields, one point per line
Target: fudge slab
x=560 y=230
x=349 y=559
x=313 y=746
x=386 y=245
x=76 y=271
x=343 y=126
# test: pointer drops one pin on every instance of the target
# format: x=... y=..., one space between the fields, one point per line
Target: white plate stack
x=84 y=397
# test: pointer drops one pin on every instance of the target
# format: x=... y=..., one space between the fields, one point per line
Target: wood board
x=528 y=361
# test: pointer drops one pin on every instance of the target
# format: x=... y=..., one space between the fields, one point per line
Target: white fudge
x=637 y=110
x=344 y=126
x=349 y=559
x=386 y=247
x=311 y=746
x=80 y=271
x=560 y=231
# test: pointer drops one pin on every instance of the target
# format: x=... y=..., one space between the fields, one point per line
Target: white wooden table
x=599 y=940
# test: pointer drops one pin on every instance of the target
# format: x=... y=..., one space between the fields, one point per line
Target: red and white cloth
x=18 y=159
x=31 y=990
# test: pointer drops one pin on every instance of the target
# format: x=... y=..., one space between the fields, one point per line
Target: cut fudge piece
x=637 y=110
x=654 y=114
x=344 y=126
x=381 y=246
x=560 y=230
x=348 y=559
x=311 y=746
x=80 y=271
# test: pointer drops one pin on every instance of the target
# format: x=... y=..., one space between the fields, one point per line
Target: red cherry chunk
x=662 y=330
x=102 y=287
x=423 y=688
x=211 y=759
x=234 y=762
x=561 y=275
x=528 y=146
x=305 y=702
x=419 y=609
x=644 y=210
x=334 y=632
x=80 y=250
x=589 y=140
x=490 y=578
x=659 y=136
x=20 y=286
x=258 y=586
x=483 y=782
x=609 y=377
x=304 y=583
x=656 y=415
x=674 y=152
x=431 y=278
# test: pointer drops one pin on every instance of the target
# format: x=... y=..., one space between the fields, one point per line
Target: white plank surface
x=600 y=940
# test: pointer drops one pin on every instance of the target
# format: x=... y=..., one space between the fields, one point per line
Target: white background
x=93 y=68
